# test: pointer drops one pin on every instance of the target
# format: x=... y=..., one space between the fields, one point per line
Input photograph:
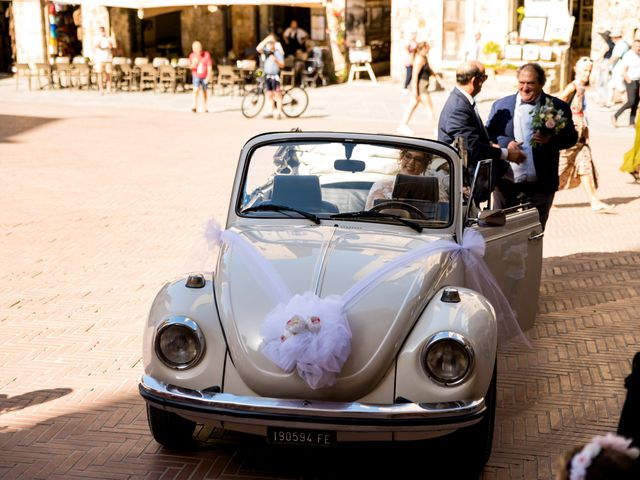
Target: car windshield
x=347 y=180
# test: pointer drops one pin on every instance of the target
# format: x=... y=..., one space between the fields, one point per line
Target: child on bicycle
x=272 y=55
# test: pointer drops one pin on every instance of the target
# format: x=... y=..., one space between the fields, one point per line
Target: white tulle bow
x=312 y=334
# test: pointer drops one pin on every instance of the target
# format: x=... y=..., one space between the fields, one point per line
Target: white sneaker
x=404 y=130
x=405 y=92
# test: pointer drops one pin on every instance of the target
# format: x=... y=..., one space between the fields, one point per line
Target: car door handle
x=536 y=236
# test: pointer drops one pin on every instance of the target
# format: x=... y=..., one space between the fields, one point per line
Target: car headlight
x=179 y=343
x=447 y=358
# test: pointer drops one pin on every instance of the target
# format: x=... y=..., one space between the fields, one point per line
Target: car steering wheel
x=398 y=204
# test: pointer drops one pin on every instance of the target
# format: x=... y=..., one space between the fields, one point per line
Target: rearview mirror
x=349 y=165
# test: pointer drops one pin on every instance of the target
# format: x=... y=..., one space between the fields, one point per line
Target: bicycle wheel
x=252 y=102
x=294 y=102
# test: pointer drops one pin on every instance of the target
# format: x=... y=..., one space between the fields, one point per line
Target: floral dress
x=577 y=161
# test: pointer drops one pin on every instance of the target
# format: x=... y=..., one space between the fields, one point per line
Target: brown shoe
x=614 y=121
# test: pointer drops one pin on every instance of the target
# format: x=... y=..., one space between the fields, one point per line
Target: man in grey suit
x=460 y=118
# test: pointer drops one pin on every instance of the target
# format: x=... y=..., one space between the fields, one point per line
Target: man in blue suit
x=536 y=179
x=460 y=118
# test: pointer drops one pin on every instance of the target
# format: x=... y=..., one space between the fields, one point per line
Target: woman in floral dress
x=576 y=164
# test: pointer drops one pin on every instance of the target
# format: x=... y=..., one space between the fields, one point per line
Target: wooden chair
x=62 y=70
x=360 y=60
x=44 y=75
x=80 y=73
x=22 y=70
x=148 y=76
x=126 y=76
x=227 y=77
x=167 y=78
x=183 y=70
x=157 y=61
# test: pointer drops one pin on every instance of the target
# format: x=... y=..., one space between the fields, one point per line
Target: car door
x=513 y=251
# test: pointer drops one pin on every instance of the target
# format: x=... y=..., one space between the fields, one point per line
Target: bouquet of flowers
x=547 y=120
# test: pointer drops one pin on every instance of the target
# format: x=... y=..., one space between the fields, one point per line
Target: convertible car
x=332 y=316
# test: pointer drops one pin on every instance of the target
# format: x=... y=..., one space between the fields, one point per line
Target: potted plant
x=491 y=52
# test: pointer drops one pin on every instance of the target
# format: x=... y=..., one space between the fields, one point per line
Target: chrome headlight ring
x=447 y=358
x=179 y=343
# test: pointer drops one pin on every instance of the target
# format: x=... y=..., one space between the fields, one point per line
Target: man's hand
x=541 y=138
x=515 y=153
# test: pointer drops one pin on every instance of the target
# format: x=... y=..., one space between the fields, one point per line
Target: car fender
x=198 y=304
x=474 y=319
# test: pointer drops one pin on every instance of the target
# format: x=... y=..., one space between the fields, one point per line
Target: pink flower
x=550 y=124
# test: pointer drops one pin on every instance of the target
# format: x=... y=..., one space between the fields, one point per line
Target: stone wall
x=29 y=28
x=199 y=24
x=613 y=15
x=121 y=31
x=243 y=20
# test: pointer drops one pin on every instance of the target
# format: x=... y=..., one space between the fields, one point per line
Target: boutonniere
x=547 y=119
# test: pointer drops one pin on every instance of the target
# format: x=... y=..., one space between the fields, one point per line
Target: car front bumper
x=207 y=406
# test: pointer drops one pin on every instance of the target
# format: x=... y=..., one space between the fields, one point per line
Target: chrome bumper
x=352 y=416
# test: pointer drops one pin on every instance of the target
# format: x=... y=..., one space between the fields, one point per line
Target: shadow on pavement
x=18 y=402
x=13 y=125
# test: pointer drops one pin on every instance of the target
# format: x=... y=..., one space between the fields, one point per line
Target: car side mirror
x=492 y=218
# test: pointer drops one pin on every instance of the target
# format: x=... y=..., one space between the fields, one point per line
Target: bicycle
x=294 y=99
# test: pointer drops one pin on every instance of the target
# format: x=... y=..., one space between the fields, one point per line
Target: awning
x=151 y=4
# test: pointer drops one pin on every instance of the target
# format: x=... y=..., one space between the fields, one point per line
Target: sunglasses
x=482 y=77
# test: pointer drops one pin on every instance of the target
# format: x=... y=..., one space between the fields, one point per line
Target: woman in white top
x=411 y=163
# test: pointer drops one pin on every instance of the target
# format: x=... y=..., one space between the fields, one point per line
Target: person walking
x=511 y=119
x=630 y=70
x=201 y=66
x=419 y=87
x=409 y=47
x=631 y=163
x=615 y=87
x=460 y=118
x=273 y=61
x=576 y=164
x=102 y=60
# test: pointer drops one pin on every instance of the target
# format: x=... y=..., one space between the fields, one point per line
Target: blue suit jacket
x=545 y=157
x=458 y=119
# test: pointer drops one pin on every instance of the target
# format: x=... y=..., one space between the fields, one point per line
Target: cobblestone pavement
x=101 y=199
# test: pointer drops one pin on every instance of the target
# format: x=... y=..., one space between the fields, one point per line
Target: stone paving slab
x=101 y=201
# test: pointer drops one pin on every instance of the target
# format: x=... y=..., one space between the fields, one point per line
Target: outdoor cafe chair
x=227 y=77
x=183 y=69
x=62 y=70
x=167 y=78
x=125 y=77
x=22 y=70
x=44 y=75
x=157 y=61
x=80 y=73
x=139 y=61
x=148 y=77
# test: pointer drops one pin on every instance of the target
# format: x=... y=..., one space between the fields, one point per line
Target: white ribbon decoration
x=319 y=350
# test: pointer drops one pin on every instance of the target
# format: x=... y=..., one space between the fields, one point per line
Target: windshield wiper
x=281 y=208
x=369 y=214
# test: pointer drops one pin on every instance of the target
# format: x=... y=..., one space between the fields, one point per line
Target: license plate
x=297 y=436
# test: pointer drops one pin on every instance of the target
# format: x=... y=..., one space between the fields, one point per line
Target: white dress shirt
x=523 y=132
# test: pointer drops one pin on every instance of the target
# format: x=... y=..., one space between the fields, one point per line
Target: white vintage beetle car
x=332 y=317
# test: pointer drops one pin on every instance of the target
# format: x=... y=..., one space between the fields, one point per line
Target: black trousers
x=526 y=192
x=633 y=96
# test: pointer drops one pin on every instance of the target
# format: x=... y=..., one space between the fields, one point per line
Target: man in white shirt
x=630 y=70
x=472 y=52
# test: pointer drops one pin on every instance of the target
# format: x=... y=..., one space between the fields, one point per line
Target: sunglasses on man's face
x=482 y=77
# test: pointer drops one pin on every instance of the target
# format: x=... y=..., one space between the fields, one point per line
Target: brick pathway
x=101 y=198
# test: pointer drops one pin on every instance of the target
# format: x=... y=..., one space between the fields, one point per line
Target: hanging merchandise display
x=63 y=31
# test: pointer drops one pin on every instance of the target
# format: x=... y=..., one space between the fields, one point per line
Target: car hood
x=325 y=260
